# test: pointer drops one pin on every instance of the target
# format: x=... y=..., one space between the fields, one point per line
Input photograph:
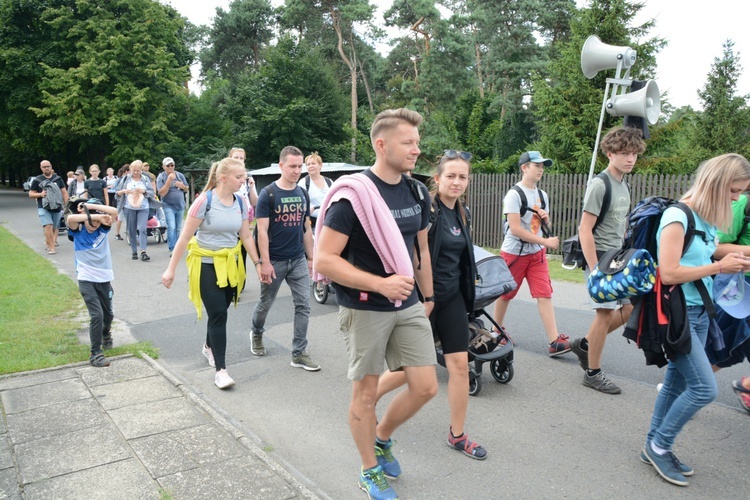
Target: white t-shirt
x=316 y=194
x=530 y=221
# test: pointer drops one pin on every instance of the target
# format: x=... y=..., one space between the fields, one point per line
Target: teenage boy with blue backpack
x=525 y=246
x=598 y=234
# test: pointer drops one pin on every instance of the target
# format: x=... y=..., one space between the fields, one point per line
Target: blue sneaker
x=685 y=469
x=374 y=483
x=386 y=460
x=666 y=465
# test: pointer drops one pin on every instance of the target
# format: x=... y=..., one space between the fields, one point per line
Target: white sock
x=657 y=450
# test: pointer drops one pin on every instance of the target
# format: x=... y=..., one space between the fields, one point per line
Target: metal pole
x=598 y=134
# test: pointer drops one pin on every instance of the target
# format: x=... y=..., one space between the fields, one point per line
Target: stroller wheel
x=157 y=236
x=320 y=292
x=475 y=384
x=501 y=371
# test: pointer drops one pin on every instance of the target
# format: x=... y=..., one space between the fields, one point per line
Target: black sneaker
x=135 y=256
x=583 y=356
x=145 y=257
x=118 y=237
x=107 y=343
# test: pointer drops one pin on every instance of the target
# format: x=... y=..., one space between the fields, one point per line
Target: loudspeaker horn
x=645 y=103
x=597 y=56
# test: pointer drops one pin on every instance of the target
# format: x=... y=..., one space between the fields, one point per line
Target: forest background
x=87 y=81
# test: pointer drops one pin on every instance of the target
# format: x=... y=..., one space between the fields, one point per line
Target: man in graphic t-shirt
x=286 y=248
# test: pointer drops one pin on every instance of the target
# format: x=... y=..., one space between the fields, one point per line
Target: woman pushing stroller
x=454 y=271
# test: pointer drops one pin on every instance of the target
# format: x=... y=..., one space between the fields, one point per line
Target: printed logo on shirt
x=536 y=222
x=363 y=296
x=407 y=212
x=99 y=240
x=456 y=231
x=291 y=211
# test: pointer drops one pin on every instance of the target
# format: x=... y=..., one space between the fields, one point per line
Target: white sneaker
x=223 y=380
x=658 y=387
x=208 y=353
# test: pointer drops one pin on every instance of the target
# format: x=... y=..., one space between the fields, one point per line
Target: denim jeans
x=297 y=276
x=174 y=225
x=689 y=385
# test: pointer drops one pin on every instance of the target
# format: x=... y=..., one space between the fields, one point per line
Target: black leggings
x=216 y=301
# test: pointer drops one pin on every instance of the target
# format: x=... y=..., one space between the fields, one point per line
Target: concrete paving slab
x=55 y=419
x=185 y=449
x=133 y=392
x=16 y=381
x=9 y=485
x=240 y=478
x=120 y=370
x=155 y=417
x=72 y=452
x=6 y=457
x=124 y=480
x=37 y=396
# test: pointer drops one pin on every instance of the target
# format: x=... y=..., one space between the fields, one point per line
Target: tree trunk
x=367 y=87
x=478 y=57
x=335 y=16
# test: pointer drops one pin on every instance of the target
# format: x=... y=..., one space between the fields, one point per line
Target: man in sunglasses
x=172 y=186
x=380 y=314
x=525 y=246
x=51 y=196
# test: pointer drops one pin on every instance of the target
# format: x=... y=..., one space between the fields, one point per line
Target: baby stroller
x=487 y=346
x=156 y=225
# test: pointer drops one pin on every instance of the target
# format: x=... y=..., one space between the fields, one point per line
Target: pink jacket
x=376 y=219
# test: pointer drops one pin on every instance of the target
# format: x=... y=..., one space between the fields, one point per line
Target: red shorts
x=534 y=268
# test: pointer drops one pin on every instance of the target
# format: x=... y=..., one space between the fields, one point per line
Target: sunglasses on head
x=452 y=154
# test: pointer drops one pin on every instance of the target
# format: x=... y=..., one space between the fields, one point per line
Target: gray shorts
x=616 y=304
x=401 y=338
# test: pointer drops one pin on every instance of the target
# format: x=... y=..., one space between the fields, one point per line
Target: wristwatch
x=431 y=298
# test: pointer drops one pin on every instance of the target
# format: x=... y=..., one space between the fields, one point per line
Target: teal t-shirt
x=698 y=254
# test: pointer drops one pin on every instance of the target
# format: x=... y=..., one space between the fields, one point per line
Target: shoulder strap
x=419 y=196
x=708 y=303
x=541 y=198
x=605 y=201
x=329 y=181
x=524 y=201
x=307 y=183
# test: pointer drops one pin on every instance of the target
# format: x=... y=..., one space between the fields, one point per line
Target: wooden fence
x=487 y=191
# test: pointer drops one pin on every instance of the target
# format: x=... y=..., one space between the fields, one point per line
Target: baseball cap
x=166 y=161
x=80 y=170
x=730 y=294
x=534 y=157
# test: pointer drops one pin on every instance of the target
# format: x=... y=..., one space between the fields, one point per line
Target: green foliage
x=293 y=99
x=115 y=95
x=237 y=37
x=723 y=125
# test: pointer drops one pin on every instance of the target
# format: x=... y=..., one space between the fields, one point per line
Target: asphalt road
x=547 y=436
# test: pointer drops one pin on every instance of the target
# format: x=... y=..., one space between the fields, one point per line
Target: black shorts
x=450 y=324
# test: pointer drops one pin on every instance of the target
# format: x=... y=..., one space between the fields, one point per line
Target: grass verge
x=40 y=313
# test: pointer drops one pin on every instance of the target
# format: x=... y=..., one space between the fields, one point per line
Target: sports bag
x=622 y=273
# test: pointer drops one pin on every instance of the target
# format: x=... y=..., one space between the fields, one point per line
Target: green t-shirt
x=611 y=231
x=733 y=233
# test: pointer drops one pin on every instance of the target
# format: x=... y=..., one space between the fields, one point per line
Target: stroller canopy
x=493 y=278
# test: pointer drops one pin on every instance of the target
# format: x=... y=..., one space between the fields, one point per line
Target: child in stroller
x=492 y=346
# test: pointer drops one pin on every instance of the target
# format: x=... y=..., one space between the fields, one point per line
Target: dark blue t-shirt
x=285 y=221
x=411 y=219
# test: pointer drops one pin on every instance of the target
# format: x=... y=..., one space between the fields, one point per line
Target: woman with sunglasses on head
x=453 y=275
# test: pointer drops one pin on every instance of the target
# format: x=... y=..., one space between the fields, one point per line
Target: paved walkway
x=129 y=431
